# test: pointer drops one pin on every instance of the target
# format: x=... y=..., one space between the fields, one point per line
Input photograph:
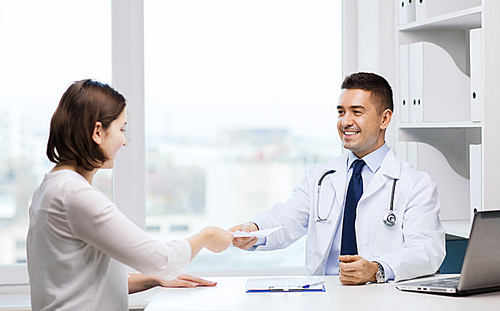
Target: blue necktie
x=354 y=192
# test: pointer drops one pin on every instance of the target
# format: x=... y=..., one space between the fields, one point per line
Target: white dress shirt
x=78 y=243
x=373 y=162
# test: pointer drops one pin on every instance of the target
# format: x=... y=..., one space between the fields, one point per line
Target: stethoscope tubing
x=389 y=219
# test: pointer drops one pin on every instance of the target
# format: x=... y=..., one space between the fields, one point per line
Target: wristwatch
x=380 y=275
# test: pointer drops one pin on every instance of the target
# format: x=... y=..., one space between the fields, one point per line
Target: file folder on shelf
x=476 y=94
x=415 y=79
x=475 y=178
x=406 y=11
x=439 y=90
x=403 y=83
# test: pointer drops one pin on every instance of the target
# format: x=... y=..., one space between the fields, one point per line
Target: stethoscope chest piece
x=390 y=219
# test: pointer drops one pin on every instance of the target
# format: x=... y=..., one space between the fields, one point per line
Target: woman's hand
x=186 y=280
x=138 y=282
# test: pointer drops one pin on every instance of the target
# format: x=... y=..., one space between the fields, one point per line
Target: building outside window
x=240 y=100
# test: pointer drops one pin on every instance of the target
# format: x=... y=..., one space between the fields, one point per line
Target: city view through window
x=240 y=100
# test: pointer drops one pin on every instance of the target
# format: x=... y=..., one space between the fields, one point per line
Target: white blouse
x=75 y=233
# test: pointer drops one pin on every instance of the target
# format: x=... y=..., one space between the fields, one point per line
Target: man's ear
x=98 y=132
x=386 y=117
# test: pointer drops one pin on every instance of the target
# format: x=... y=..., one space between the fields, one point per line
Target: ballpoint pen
x=313 y=284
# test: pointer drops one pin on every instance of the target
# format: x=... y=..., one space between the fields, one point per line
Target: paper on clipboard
x=259 y=234
x=285 y=284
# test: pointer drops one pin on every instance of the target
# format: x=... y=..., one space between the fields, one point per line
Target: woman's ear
x=98 y=132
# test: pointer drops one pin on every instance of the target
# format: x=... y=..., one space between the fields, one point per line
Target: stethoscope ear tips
x=390 y=219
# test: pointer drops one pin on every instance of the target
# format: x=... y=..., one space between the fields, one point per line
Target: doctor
x=377 y=225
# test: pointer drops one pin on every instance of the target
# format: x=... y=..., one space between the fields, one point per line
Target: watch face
x=380 y=275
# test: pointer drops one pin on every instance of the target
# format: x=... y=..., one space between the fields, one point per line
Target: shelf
x=459 y=228
x=431 y=125
x=460 y=20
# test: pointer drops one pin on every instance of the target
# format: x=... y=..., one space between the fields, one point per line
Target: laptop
x=481 y=266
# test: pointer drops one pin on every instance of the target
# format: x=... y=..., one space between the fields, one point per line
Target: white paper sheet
x=259 y=234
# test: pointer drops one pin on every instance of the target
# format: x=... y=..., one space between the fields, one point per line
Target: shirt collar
x=373 y=160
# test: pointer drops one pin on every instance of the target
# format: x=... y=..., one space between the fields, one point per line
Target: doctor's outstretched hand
x=354 y=270
x=245 y=243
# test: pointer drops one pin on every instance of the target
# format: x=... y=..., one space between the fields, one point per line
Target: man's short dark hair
x=83 y=104
x=379 y=88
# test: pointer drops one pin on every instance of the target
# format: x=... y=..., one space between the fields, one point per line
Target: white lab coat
x=415 y=246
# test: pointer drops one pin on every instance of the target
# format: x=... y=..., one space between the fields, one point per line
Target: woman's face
x=113 y=138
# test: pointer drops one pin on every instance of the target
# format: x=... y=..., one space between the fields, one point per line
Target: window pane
x=240 y=99
x=45 y=46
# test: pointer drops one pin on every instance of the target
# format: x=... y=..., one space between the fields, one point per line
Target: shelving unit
x=373 y=40
x=442 y=148
x=463 y=19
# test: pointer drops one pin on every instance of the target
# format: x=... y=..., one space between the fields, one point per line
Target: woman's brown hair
x=83 y=104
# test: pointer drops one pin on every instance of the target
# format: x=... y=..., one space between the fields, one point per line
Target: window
x=45 y=46
x=240 y=99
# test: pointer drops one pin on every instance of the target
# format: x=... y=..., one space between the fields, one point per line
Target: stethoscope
x=389 y=218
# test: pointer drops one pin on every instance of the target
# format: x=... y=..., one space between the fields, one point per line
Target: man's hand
x=355 y=270
x=245 y=243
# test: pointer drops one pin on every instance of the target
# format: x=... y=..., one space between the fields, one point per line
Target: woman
x=78 y=241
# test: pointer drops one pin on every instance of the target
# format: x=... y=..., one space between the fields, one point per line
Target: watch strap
x=380 y=275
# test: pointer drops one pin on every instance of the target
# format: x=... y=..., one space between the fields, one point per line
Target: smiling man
x=369 y=216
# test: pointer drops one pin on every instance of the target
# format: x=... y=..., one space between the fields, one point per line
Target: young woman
x=78 y=241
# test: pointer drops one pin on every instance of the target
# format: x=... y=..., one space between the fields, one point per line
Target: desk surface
x=229 y=294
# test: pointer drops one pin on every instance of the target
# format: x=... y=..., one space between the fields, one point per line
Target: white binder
x=415 y=68
x=403 y=9
x=476 y=94
x=475 y=177
x=412 y=153
x=421 y=10
x=410 y=10
x=403 y=105
x=439 y=90
x=406 y=11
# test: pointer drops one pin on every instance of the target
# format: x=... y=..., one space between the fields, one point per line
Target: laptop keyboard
x=448 y=282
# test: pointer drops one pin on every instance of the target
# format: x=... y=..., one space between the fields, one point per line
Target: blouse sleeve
x=96 y=220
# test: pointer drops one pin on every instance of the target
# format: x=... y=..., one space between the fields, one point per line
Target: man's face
x=361 y=127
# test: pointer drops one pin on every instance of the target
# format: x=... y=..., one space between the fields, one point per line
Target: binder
x=439 y=90
x=403 y=12
x=403 y=84
x=421 y=10
x=475 y=178
x=415 y=53
x=410 y=10
x=401 y=150
x=476 y=94
x=412 y=153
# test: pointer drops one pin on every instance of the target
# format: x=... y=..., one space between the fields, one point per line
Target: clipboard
x=285 y=284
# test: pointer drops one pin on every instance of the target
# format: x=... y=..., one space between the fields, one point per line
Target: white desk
x=230 y=295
